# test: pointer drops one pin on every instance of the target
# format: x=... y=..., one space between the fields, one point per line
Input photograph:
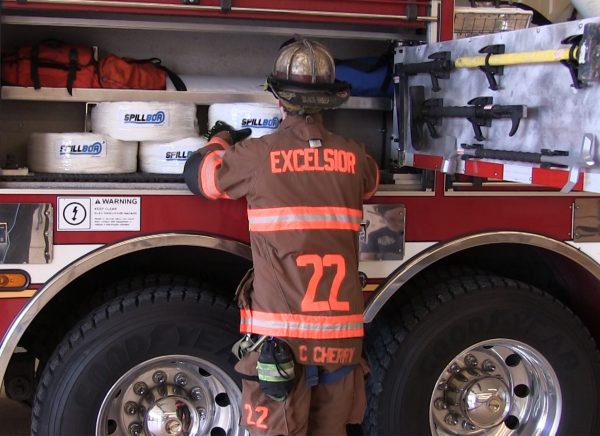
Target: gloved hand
x=222 y=126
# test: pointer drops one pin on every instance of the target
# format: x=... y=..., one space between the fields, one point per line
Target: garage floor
x=14 y=417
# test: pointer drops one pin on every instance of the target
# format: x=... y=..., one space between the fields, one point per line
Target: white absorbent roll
x=262 y=118
x=145 y=121
x=167 y=157
x=81 y=153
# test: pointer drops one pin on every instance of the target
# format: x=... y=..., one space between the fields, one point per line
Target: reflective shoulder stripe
x=293 y=325
x=208 y=173
x=304 y=218
x=215 y=140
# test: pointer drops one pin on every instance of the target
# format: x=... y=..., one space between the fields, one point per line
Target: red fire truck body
x=483 y=322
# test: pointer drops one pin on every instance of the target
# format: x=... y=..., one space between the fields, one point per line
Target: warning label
x=108 y=214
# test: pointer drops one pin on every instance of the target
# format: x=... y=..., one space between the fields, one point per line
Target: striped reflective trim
x=218 y=141
x=292 y=325
x=207 y=174
x=280 y=372
x=304 y=218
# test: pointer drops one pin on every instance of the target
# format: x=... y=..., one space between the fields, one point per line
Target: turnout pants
x=321 y=410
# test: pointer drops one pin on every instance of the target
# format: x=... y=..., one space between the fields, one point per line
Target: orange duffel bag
x=51 y=64
x=125 y=73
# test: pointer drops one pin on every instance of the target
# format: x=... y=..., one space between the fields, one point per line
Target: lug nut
x=159 y=377
x=180 y=379
x=451 y=419
x=442 y=386
x=201 y=413
x=488 y=366
x=196 y=394
x=440 y=404
x=466 y=425
x=454 y=368
x=140 y=388
x=471 y=360
x=135 y=429
x=131 y=408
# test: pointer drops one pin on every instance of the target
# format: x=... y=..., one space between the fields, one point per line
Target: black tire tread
x=385 y=334
x=126 y=296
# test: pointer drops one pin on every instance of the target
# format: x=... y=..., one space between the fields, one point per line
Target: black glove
x=236 y=135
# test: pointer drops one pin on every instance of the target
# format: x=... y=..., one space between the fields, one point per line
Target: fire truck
x=479 y=252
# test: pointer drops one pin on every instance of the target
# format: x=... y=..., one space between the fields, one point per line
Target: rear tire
x=411 y=354
x=171 y=338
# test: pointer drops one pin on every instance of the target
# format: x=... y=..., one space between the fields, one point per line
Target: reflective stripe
x=293 y=325
x=280 y=372
x=304 y=218
x=218 y=141
x=207 y=174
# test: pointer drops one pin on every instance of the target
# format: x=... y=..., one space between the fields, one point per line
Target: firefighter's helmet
x=303 y=78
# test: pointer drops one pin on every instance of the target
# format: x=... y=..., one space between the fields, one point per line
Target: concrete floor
x=14 y=417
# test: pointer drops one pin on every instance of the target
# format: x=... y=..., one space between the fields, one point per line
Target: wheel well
x=553 y=272
x=219 y=270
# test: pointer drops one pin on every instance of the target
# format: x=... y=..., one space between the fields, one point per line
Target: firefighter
x=301 y=309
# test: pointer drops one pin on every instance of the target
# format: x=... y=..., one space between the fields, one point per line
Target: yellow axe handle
x=526 y=57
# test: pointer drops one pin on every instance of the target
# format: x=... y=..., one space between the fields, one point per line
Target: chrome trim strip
x=153 y=5
x=95 y=258
x=439 y=251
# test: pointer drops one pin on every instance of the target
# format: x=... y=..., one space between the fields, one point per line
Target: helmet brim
x=306 y=98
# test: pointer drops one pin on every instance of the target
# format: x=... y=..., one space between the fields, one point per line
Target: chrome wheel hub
x=172 y=415
x=172 y=396
x=496 y=387
x=484 y=400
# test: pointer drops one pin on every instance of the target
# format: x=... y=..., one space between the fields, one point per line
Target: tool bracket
x=441 y=68
x=491 y=71
x=572 y=63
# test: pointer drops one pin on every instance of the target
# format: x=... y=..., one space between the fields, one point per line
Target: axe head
x=589 y=54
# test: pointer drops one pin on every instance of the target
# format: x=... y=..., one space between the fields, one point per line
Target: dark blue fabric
x=315 y=376
x=369 y=77
x=312 y=375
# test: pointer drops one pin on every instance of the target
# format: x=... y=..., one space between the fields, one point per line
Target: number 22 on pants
x=256 y=417
x=319 y=263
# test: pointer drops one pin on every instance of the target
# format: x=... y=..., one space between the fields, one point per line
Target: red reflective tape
x=554 y=178
x=300 y=318
x=208 y=174
x=474 y=167
x=428 y=162
x=286 y=332
x=304 y=218
x=215 y=140
x=303 y=225
x=304 y=210
x=301 y=326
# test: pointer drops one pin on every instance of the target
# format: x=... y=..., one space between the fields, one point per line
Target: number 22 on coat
x=309 y=304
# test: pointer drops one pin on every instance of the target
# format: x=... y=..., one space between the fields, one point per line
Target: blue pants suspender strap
x=315 y=376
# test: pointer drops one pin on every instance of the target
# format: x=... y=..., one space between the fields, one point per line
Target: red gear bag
x=51 y=64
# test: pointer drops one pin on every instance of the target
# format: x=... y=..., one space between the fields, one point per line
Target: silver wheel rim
x=496 y=387
x=172 y=395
